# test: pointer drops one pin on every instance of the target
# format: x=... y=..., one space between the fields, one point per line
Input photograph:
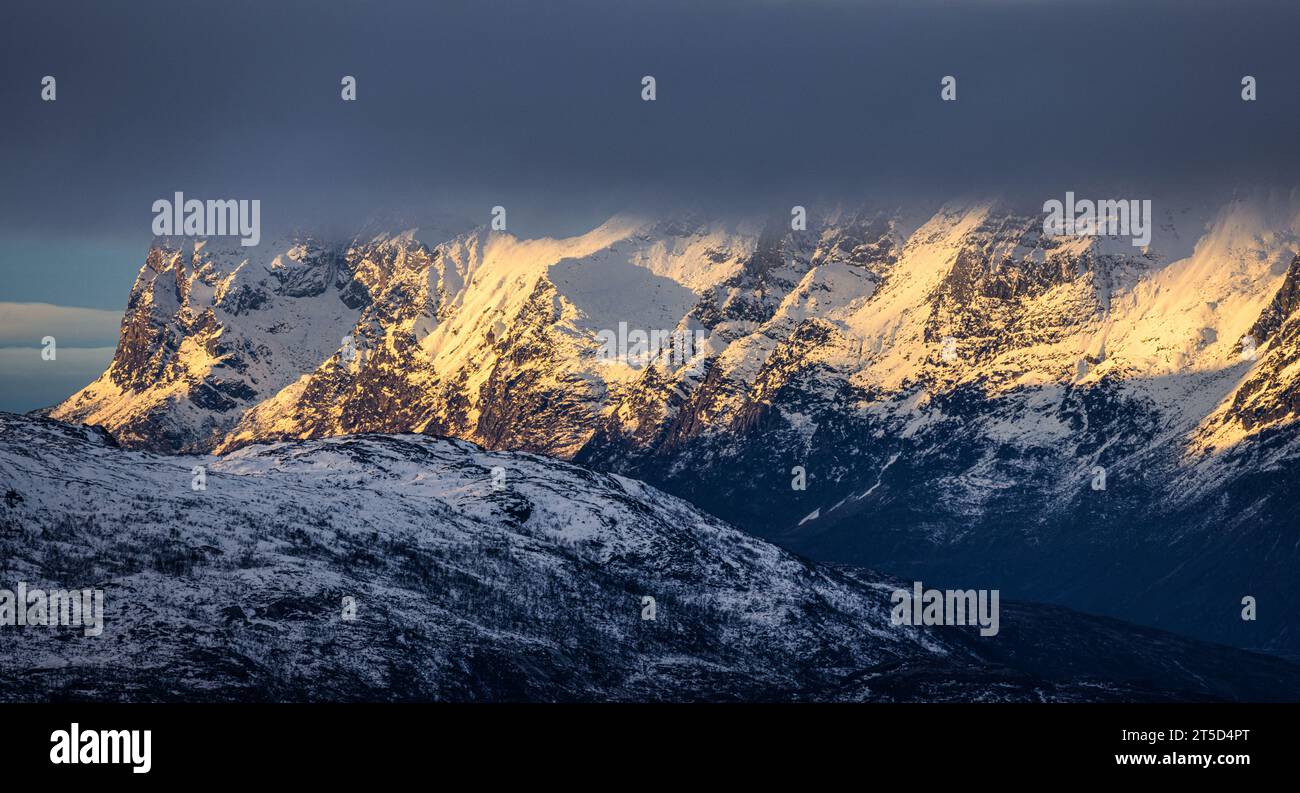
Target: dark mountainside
x=465 y=590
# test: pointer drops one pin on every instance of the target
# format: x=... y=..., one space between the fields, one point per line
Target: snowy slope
x=464 y=590
x=467 y=338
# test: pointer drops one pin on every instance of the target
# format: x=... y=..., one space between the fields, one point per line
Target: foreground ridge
x=412 y=567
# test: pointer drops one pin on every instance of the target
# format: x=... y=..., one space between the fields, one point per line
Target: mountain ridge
x=467 y=585
x=949 y=381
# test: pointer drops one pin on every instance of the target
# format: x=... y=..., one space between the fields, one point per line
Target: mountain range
x=938 y=392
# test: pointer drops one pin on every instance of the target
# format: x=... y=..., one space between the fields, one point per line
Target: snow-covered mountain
x=480 y=575
x=953 y=384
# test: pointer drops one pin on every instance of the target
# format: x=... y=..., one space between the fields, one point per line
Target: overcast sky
x=537 y=106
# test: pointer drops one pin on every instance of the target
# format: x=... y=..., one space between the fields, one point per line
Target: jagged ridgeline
x=942 y=392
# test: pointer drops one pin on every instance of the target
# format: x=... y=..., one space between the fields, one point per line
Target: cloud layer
x=26 y=324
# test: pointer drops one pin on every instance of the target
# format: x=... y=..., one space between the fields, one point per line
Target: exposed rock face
x=210 y=331
x=949 y=380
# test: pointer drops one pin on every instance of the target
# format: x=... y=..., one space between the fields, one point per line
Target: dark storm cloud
x=537 y=106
